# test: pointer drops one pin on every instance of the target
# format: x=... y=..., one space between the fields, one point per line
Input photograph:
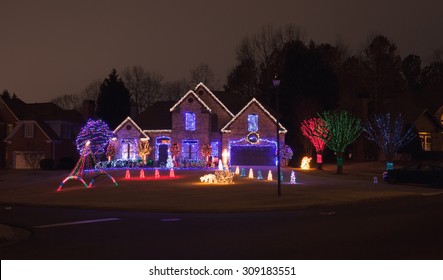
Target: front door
x=162 y=153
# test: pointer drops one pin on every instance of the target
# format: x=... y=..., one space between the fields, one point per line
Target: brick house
x=43 y=130
x=247 y=131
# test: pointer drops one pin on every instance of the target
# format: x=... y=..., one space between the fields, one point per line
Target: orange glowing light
x=305 y=163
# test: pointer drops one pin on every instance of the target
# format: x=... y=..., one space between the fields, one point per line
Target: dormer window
x=252 y=123
x=190 y=121
x=29 y=130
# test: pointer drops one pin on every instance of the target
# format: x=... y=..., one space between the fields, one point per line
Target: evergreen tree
x=113 y=102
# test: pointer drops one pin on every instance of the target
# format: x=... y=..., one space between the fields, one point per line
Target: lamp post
x=276 y=82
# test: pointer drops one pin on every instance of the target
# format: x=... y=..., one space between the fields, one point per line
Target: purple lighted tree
x=97 y=133
x=389 y=133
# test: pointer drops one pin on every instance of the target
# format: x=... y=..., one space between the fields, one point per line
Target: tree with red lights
x=311 y=128
x=174 y=150
x=110 y=151
x=342 y=129
x=206 y=152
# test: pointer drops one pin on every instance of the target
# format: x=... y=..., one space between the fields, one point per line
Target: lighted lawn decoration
x=251 y=174
x=97 y=133
x=206 y=152
x=171 y=173
x=110 y=151
x=237 y=171
x=259 y=175
x=285 y=154
x=220 y=165
x=305 y=163
x=142 y=174
x=174 y=151
x=91 y=142
x=144 y=149
x=156 y=174
x=243 y=173
x=128 y=174
x=311 y=128
x=389 y=133
x=269 y=176
x=293 y=179
x=209 y=178
x=342 y=129
x=281 y=176
x=86 y=162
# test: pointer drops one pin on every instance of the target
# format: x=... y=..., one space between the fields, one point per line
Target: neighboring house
x=246 y=131
x=430 y=130
x=42 y=130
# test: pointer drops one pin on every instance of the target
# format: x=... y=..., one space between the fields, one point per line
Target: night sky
x=53 y=47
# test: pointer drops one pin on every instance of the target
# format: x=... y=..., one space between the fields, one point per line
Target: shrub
x=46 y=164
x=67 y=163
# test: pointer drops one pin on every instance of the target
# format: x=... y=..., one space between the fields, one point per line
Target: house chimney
x=88 y=111
x=134 y=110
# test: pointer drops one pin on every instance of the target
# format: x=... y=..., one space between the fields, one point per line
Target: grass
x=186 y=193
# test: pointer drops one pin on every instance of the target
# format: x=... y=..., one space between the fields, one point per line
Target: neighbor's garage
x=22 y=160
x=253 y=155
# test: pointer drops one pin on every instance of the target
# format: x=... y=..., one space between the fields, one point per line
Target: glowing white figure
x=237 y=171
x=225 y=156
x=220 y=165
x=305 y=163
x=269 y=175
x=251 y=173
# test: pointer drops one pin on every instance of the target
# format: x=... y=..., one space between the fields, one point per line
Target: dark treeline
x=321 y=76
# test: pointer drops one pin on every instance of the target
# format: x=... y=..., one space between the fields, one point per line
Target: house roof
x=128 y=119
x=190 y=93
x=156 y=117
x=232 y=101
x=201 y=85
x=40 y=113
x=225 y=129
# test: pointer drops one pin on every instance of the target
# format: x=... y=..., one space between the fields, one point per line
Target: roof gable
x=201 y=85
x=225 y=129
x=427 y=122
x=190 y=93
x=129 y=120
x=39 y=126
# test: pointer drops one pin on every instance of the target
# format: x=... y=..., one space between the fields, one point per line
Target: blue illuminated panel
x=190 y=121
x=253 y=123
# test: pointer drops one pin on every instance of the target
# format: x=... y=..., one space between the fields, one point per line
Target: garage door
x=253 y=155
x=23 y=160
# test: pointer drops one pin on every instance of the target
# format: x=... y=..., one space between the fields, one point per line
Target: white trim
x=225 y=130
x=132 y=121
x=157 y=130
x=215 y=97
x=20 y=123
x=185 y=96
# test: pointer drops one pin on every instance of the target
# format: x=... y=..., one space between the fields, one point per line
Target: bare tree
x=203 y=73
x=144 y=86
x=172 y=91
x=67 y=101
x=91 y=91
x=33 y=158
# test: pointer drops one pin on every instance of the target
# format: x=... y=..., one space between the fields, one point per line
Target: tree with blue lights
x=97 y=133
x=389 y=133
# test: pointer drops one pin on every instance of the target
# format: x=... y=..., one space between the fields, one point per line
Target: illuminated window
x=253 y=123
x=425 y=139
x=29 y=130
x=190 y=149
x=214 y=146
x=190 y=121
